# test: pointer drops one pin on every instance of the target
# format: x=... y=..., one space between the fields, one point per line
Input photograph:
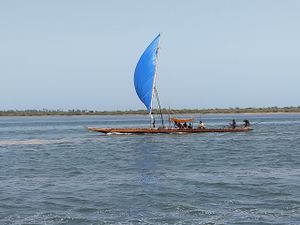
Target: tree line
x=72 y=112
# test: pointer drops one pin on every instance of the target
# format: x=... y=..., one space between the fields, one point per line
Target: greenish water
x=53 y=171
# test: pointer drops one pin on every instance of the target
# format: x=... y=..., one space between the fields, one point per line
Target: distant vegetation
x=44 y=112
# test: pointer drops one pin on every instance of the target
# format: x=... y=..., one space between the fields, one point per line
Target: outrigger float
x=145 y=86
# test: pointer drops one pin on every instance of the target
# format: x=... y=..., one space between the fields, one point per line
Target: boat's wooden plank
x=167 y=130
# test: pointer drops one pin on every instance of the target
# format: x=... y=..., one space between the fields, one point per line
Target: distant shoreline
x=266 y=110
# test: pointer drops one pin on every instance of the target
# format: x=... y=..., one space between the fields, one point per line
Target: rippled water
x=54 y=171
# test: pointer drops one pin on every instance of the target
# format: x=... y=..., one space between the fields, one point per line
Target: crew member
x=201 y=125
x=153 y=120
x=233 y=125
x=246 y=123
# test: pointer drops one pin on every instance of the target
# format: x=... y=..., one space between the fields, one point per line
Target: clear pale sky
x=82 y=54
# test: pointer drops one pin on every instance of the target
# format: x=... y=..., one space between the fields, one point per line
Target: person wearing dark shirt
x=233 y=125
x=246 y=123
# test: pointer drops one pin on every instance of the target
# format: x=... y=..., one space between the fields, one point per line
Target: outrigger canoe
x=166 y=130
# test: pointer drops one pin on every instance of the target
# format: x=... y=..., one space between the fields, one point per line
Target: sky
x=214 y=54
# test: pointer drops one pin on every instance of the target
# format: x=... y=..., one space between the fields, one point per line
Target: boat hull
x=166 y=130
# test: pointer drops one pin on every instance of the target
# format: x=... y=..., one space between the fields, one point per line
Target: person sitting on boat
x=153 y=120
x=190 y=126
x=177 y=124
x=246 y=123
x=201 y=125
x=233 y=124
x=184 y=125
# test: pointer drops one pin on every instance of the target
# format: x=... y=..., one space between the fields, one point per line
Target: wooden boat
x=145 y=87
x=166 y=130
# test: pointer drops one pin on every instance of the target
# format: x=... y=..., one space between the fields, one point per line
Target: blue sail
x=144 y=73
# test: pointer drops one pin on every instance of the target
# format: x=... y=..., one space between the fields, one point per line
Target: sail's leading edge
x=144 y=73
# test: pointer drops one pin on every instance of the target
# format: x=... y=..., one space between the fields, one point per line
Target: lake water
x=54 y=171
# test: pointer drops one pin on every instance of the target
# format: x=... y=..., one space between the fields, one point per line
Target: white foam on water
x=31 y=142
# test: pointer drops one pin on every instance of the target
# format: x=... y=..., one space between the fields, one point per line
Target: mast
x=160 y=112
x=154 y=89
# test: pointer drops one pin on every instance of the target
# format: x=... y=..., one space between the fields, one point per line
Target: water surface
x=54 y=171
